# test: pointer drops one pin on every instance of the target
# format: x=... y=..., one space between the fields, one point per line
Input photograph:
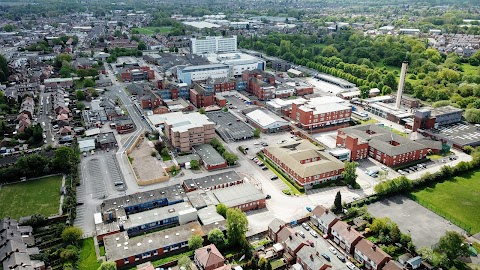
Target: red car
x=310 y=242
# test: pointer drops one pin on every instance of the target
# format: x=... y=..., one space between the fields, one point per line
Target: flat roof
x=333 y=79
x=209 y=215
x=182 y=122
x=57 y=80
x=201 y=25
x=172 y=193
x=280 y=103
x=145 y=217
x=119 y=246
x=209 y=66
x=399 y=113
x=209 y=155
x=461 y=134
x=445 y=110
x=265 y=118
x=238 y=194
x=208 y=181
x=229 y=127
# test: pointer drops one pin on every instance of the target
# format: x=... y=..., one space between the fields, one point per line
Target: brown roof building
x=345 y=236
x=371 y=256
x=209 y=258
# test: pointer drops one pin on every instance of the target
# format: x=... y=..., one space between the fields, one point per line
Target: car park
x=305 y=226
x=333 y=250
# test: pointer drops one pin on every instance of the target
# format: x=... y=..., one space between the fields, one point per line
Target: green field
x=153 y=30
x=470 y=70
x=88 y=259
x=457 y=200
x=40 y=196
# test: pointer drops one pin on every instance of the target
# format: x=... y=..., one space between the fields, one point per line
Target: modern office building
x=189 y=74
x=213 y=44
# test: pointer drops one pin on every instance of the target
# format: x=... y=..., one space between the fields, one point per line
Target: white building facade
x=213 y=44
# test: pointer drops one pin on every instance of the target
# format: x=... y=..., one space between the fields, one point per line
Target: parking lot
x=230 y=127
x=423 y=225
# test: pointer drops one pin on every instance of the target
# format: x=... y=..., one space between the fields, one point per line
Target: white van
x=351 y=266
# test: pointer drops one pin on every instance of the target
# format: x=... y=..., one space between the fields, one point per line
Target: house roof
x=346 y=231
x=209 y=255
x=325 y=215
x=373 y=252
x=276 y=224
x=292 y=153
x=392 y=265
x=285 y=233
x=308 y=255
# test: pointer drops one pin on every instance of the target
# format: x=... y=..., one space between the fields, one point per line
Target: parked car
x=333 y=250
x=385 y=168
x=264 y=168
x=326 y=256
x=401 y=172
x=305 y=226
x=273 y=177
x=301 y=234
x=313 y=233
x=341 y=257
x=310 y=242
x=268 y=197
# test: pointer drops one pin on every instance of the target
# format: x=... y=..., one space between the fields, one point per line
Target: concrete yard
x=424 y=226
x=145 y=166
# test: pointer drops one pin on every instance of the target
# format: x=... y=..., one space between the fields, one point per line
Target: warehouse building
x=266 y=121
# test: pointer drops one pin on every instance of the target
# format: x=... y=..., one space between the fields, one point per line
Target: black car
x=268 y=197
x=341 y=257
x=326 y=256
x=273 y=177
x=265 y=168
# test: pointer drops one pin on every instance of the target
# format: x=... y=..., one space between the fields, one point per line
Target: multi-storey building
x=387 y=147
x=427 y=118
x=190 y=74
x=213 y=44
x=137 y=74
x=321 y=113
x=305 y=163
x=202 y=95
x=187 y=130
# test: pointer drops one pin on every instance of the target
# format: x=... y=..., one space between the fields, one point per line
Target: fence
x=442 y=213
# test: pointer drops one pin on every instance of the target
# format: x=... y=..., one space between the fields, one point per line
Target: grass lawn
x=277 y=263
x=370 y=121
x=88 y=259
x=470 y=70
x=457 y=199
x=153 y=30
x=41 y=196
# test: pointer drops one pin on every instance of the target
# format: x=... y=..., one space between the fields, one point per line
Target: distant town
x=257 y=135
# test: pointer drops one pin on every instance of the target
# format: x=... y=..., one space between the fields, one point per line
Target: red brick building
x=245 y=197
x=124 y=125
x=321 y=113
x=305 y=163
x=201 y=97
x=137 y=74
x=223 y=86
x=386 y=147
x=260 y=84
x=150 y=101
x=303 y=90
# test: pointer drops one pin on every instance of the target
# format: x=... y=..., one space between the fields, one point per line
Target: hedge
x=301 y=189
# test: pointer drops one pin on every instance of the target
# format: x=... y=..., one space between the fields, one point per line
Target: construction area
x=147 y=168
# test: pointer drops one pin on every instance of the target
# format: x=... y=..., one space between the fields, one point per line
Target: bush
x=287 y=192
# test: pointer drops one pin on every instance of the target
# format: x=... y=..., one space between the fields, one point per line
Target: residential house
x=323 y=218
x=370 y=255
x=309 y=259
x=124 y=125
x=292 y=245
x=208 y=258
x=274 y=228
x=28 y=107
x=345 y=236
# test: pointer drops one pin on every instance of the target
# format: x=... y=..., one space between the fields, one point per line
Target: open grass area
x=369 y=121
x=153 y=30
x=88 y=259
x=456 y=200
x=470 y=70
x=41 y=196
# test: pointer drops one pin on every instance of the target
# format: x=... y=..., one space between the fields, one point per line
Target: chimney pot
x=374 y=247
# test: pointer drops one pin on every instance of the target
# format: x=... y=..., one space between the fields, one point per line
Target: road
x=45 y=115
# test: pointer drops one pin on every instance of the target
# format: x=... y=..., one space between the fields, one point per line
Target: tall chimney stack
x=401 y=83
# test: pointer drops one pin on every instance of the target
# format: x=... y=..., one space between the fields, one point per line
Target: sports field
x=153 y=30
x=457 y=200
x=41 y=196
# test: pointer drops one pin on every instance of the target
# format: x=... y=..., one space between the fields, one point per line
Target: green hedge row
x=301 y=189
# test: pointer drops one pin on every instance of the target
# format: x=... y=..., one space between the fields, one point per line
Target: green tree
x=337 y=204
x=8 y=28
x=194 y=164
x=364 y=91
x=329 y=51
x=237 y=226
x=71 y=235
x=216 y=237
x=230 y=158
x=164 y=152
x=222 y=209
x=89 y=83
x=453 y=245
x=64 y=159
x=80 y=105
x=201 y=110
x=80 y=95
x=256 y=133
x=108 y=266
x=185 y=263
x=195 y=242
x=349 y=174
x=142 y=46
x=69 y=254
x=390 y=80
x=4 y=70
x=472 y=115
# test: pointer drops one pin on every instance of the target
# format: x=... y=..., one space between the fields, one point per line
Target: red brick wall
x=252 y=205
x=125 y=76
x=215 y=167
x=160 y=110
x=301 y=91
